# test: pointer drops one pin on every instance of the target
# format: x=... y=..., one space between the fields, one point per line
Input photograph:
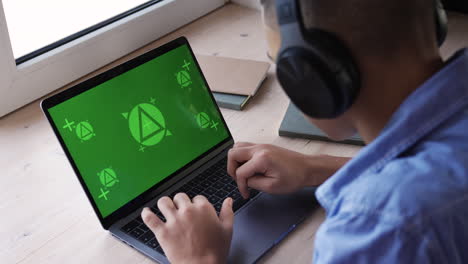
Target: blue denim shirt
x=404 y=197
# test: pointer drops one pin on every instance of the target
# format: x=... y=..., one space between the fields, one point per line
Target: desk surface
x=45 y=215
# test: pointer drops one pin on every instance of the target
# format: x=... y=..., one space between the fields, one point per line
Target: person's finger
x=151 y=220
x=261 y=183
x=181 y=200
x=226 y=215
x=202 y=202
x=237 y=156
x=243 y=145
x=199 y=199
x=167 y=207
x=249 y=169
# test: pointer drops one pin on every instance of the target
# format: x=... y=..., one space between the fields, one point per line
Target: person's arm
x=277 y=170
x=322 y=167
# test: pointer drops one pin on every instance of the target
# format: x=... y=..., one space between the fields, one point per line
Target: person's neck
x=384 y=90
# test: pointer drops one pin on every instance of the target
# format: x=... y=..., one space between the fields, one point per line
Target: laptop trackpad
x=265 y=221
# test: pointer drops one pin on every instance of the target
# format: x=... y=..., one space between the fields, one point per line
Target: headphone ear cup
x=441 y=22
x=306 y=84
x=322 y=78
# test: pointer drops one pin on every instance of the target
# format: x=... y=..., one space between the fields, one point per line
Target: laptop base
x=258 y=225
x=265 y=221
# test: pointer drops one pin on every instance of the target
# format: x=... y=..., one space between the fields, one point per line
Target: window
x=64 y=20
x=54 y=42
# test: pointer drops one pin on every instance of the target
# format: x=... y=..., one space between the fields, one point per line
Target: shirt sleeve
x=361 y=238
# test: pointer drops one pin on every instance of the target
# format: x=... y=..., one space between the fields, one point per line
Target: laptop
x=149 y=128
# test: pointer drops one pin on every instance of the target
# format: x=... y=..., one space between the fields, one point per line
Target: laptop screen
x=131 y=132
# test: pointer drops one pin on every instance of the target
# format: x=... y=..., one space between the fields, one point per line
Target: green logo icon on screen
x=103 y=194
x=183 y=78
x=69 y=125
x=108 y=178
x=147 y=125
x=84 y=131
x=204 y=121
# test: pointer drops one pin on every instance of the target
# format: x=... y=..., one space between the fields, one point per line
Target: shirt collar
x=439 y=98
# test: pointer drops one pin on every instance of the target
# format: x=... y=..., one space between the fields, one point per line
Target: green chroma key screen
x=129 y=133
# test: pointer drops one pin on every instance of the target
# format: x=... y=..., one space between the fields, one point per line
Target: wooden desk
x=45 y=215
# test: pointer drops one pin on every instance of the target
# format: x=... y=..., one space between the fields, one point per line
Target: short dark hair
x=374 y=25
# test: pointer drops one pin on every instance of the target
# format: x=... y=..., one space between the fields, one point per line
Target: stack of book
x=233 y=81
x=295 y=125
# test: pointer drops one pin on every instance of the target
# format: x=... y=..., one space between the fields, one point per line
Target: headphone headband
x=288 y=11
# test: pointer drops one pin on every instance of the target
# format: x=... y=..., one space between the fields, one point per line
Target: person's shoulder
x=431 y=177
x=414 y=206
x=410 y=210
x=427 y=181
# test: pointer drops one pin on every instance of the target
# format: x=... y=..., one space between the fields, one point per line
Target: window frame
x=23 y=83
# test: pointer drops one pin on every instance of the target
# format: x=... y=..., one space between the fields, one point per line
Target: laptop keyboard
x=214 y=183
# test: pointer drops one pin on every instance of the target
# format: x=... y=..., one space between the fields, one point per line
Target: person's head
x=394 y=45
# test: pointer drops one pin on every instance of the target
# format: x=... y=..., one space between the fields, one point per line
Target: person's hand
x=277 y=170
x=193 y=232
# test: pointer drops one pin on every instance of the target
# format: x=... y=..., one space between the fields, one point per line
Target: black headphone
x=316 y=69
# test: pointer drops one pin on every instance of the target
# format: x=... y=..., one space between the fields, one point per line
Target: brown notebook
x=233 y=76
